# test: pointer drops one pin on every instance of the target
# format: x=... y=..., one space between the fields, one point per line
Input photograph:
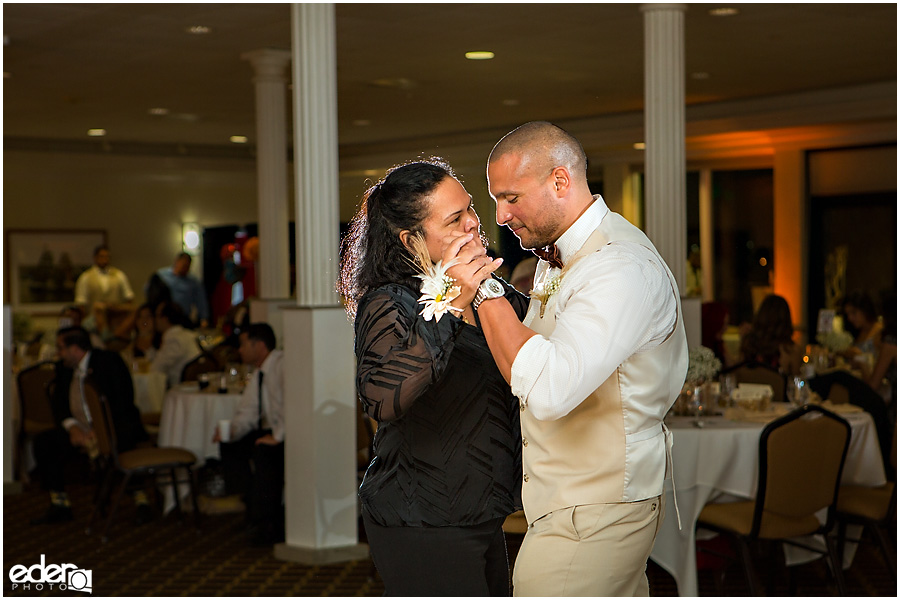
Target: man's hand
x=268 y=440
x=473 y=265
x=79 y=437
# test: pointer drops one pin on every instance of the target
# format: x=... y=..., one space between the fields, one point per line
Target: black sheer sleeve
x=399 y=355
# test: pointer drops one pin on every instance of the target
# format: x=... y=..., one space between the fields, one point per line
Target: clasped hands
x=473 y=264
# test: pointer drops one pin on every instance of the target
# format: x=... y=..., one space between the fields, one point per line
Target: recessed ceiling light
x=639 y=145
x=362 y=122
x=480 y=55
x=510 y=102
x=198 y=29
x=158 y=111
x=238 y=139
x=96 y=132
x=725 y=11
x=700 y=75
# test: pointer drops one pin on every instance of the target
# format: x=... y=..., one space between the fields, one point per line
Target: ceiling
x=402 y=76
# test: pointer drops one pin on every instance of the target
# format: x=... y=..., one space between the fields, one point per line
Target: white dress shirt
x=108 y=285
x=247 y=414
x=595 y=332
x=78 y=375
x=179 y=346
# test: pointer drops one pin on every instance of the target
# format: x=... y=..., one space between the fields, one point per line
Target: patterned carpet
x=171 y=558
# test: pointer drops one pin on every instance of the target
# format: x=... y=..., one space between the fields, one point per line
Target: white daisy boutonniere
x=438 y=288
x=544 y=290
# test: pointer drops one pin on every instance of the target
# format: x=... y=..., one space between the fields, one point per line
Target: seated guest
x=139 y=332
x=770 y=340
x=186 y=290
x=106 y=370
x=862 y=321
x=178 y=345
x=257 y=429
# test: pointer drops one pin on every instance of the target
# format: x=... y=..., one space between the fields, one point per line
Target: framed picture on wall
x=42 y=266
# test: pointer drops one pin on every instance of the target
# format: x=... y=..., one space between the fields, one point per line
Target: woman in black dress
x=447 y=454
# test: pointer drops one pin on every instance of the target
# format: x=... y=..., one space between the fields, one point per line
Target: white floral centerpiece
x=835 y=341
x=703 y=366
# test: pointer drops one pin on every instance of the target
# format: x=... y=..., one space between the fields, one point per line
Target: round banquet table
x=719 y=462
x=190 y=416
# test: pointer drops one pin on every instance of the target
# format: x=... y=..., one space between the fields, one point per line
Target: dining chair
x=132 y=463
x=801 y=457
x=225 y=354
x=204 y=363
x=35 y=412
x=757 y=372
x=875 y=508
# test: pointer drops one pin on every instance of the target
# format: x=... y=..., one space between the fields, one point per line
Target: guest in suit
x=178 y=345
x=447 y=455
x=257 y=429
x=108 y=373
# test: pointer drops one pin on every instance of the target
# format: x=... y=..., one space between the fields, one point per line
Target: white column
x=320 y=432
x=665 y=200
x=316 y=153
x=270 y=67
x=707 y=237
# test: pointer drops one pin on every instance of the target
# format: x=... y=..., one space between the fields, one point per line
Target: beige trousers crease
x=589 y=550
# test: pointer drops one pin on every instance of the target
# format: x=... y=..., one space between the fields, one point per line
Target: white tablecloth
x=189 y=418
x=149 y=391
x=722 y=458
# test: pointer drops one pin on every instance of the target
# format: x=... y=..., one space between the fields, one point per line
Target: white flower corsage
x=545 y=289
x=438 y=288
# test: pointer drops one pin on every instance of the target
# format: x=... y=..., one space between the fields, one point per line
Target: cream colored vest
x=611 y=447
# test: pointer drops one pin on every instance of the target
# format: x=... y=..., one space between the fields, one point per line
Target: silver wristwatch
x=489 y=288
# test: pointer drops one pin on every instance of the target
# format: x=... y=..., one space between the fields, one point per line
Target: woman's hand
x=473 y=264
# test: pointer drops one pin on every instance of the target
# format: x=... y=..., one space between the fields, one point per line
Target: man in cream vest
x=596 y=364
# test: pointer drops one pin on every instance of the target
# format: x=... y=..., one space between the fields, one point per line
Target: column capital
x=653 y=7
x=269 y=62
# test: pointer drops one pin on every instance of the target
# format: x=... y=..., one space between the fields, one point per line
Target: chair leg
x=885 y=545
x=192 y=475
x=112 y=513
x=101 y=498
x=174 y=479
x=841 y=539
x=749 y=571
x=837 y=565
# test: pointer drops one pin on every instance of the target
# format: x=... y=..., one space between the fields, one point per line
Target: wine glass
x=798 y=392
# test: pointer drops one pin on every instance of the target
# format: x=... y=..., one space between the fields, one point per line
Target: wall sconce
x=190 y=238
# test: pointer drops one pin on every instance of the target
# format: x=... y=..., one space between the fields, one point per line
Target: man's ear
x=561 y=181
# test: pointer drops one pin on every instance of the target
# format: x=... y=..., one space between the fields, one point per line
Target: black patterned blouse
x=448 y=450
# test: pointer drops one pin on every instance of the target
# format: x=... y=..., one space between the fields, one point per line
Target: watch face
x=495 y=287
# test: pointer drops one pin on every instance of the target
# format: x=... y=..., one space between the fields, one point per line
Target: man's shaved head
x=542 y=146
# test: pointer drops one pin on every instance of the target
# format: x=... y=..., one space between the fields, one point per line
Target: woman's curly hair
x=371 y=252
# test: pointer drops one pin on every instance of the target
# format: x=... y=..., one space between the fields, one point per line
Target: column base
x=320 y=556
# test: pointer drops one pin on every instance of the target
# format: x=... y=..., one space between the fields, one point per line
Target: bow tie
x=550 y=254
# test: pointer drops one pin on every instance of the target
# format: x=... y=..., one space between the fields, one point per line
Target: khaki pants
x=589 y=550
